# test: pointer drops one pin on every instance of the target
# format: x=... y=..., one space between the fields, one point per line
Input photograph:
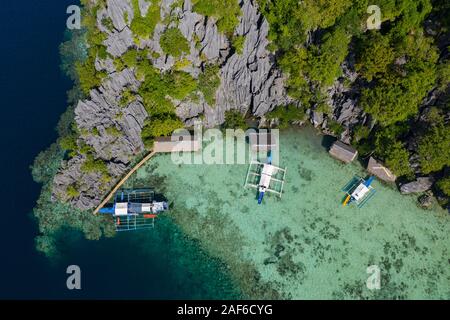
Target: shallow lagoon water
x=306 y=245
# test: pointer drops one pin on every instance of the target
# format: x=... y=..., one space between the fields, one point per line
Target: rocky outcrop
x=425 y=201
x=120 y=37
x=110 y=126
x=249 y=81
x=119 y=42
x=112 y=131
x=422 y=184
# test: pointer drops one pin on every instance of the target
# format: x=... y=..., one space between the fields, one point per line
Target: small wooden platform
x=176 y=144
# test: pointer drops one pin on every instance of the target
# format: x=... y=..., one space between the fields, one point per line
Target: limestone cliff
x=249 y=82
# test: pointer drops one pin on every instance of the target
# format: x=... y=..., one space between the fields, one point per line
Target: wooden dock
x=123 y=180
x=161 y=145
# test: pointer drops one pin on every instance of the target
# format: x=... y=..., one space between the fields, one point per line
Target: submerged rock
x=425 y=201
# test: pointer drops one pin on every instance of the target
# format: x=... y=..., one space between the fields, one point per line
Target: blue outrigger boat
x=134 y=209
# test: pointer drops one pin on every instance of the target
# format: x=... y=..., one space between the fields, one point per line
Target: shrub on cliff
x=173 y=42
x=234 y=120
x=88 y=76
x=226 y=13
x=208 y=82
x=444 y=186
x=143 y=27
x=286 y=115
x=165 y=125
x=434 y=149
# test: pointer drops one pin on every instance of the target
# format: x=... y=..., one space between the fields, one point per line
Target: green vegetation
x=391 y=150
x=173 y=42
x=234 y=120
x=208 y=82
x=434 y=148
x=89 y=77
x=226 y=13
x=238 y=43
x=161 y=127
x=397 y=66
x=181 y=64
x=397 y=159
x=80 y=65
x=113 y=131
x=156 y=87
x=444 y=186
x=155 y=91
x=94 y=165
x=324 y=61
x=108 y=23
x=376 y=56
x=71 y=51
x=286 y=115
x=360 y=133
x=127 y=97
x=69 y=143
x=72 y=192
x=335 y=127
x=143 y=27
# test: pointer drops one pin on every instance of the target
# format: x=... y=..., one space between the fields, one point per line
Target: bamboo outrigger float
x=265 y=177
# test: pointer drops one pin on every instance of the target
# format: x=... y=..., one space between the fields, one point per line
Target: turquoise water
x=306 y=245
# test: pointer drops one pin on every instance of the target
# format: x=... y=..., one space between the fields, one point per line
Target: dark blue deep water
x=159 y=264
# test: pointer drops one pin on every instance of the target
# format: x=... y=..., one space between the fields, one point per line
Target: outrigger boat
x=134 y=209
x=271 y=178
x=359 y=191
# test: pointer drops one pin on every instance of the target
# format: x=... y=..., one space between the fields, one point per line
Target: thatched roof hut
x=343 y=152
x=380 y=171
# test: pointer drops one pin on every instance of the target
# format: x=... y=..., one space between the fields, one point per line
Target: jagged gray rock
x=116 y=10
x=425 y=201
x=88 y=184
x=120 y=38
x=144 y=6
x=105 y=65
x=119 y=42
x=316 y=118
x=250 y=82
x=422 y=184
x=117 y=146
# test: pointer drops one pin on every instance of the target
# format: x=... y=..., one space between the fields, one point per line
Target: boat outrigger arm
x=266 y=173
x=359 y=191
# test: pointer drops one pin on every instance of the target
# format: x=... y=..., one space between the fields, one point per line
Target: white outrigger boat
x=359 y=191
x=271 y=178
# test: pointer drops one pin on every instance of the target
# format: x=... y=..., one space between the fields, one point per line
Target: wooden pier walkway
x=161 y=145
x=123 y=180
